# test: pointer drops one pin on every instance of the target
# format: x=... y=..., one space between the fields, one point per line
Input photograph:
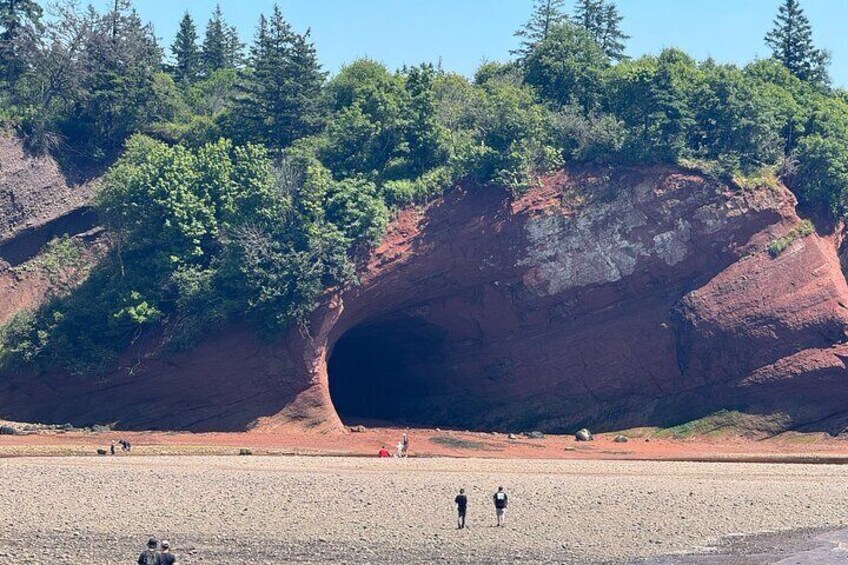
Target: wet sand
x=271 y=510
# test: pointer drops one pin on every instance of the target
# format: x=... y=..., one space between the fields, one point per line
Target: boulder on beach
x=584 y=435
x=621 y=439
x=536 y=435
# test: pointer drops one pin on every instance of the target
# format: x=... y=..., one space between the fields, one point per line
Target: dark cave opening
x=389 y=373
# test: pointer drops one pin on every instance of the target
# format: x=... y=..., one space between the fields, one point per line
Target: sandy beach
x=264 y=510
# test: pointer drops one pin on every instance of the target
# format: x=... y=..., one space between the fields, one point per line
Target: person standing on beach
x=150 y=556
x=461 y=506
x=405 y=442
x=165 y=556
x=501 y=501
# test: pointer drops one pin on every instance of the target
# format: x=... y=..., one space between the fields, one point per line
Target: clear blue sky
x=463 y=33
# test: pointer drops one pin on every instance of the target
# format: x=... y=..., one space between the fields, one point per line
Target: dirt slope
x=37 y=204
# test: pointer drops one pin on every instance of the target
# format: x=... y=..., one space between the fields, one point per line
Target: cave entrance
x=389 y=373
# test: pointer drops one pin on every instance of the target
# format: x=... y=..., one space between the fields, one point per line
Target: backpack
x=148 y=558
x=500 y=499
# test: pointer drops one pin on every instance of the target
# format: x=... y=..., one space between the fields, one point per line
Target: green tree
x=791 y=43
x=612 y=38
x=120 y=89
x=546 y=14
x=17 y=19
x=601 y=20
x=216 y=43
x=566 y=67
x=234 y=52
x=366 y=132
x=735 y=122
x=280 y=94
x=426 y=138
x=651 y=97
x=589 y=14
x=187 y=65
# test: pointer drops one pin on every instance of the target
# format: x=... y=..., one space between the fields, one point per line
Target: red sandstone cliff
x=609 y=299
x=37 y=204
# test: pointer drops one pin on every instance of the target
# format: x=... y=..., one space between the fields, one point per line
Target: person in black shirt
x=501 y=501
x=149 y=556
x=461 y=506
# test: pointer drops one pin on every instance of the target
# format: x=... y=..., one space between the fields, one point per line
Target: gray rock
x=358 y=429
x=621 y=439
x=101 y=429
x=245 y=452
x=7 y=431
x=512 y=436
x=536 y=435
x=584 y=435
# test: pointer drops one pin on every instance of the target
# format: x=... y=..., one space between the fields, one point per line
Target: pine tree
x=16 y=16
x=600 y=18
x=233 y=56
x=791 y=43
x=186 y=52
x=612 y=38
x=279 y=95
x=215 y=43
x=546 y=14
x=589 y=14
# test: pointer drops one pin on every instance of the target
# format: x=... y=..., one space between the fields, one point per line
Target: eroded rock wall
x=609 y=299
x=38 y=204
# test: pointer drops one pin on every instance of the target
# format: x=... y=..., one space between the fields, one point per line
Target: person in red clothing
x=384 y=452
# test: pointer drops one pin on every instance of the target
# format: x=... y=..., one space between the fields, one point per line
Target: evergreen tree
x=601 y=20
x=589 y=14
x=16 y=16
x=546 y=14
x=215 y=43
x=233 y=54
x=278 y=99
x=791 y=43
x=186 y=52
x=612 y=38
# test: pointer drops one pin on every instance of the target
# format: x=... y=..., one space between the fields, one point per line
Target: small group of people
x=125 y=446
x=402 y=449
x=157 y=553
x=500 y=499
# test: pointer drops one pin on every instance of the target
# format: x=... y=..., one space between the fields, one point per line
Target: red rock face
x=638 y=297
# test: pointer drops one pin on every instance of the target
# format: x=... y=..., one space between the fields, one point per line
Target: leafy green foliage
x=566 y=66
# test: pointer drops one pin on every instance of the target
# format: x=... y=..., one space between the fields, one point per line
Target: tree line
x=244 y=180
